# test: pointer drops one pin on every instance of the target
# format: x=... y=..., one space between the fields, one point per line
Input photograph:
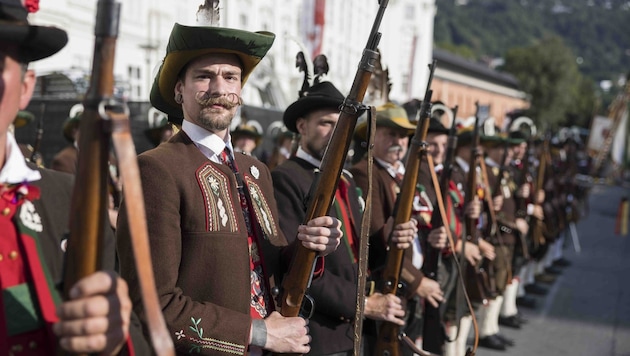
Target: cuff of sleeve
x=530 y=209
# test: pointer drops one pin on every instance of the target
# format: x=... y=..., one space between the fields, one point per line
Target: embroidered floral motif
x=220 y=213
x=197 y=342
x=30 y=218
x=261 y=208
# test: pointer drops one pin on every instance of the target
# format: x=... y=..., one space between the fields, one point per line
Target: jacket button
x=6 y=211
x=13 y=255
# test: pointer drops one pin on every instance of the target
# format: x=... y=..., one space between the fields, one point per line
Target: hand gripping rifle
x=104 y=116
x=389 y=335
x=322 y=192
x=433 y=332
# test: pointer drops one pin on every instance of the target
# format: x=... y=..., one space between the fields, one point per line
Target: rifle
x=36 y=156
x=389 y=333
x=102 y=114
x=433 y=332
x=478 y=287
x=492 y=229
x=537 y=224
x=294 y=300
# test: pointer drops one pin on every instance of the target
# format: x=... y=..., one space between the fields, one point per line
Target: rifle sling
x=126 y=153
x=365 y=235
x=451 y=241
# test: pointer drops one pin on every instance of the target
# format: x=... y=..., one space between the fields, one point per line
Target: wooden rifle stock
x=387 y=342
x=88 y=221
x=298 y=278
x=433 y=332
x=89 y=198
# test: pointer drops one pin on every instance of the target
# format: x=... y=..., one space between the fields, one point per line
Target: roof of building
x=452 y=62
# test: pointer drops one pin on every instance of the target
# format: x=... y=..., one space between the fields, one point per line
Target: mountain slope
x=597 y=31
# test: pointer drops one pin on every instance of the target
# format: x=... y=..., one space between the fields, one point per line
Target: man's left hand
x=321 y=234
x=96 y=318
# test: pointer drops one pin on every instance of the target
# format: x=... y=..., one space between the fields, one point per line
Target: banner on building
x=599 y=132
x=313 y=21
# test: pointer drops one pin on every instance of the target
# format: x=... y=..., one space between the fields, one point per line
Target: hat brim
x=190 y=42
x=361 y=129
x=68 y=126
x=22 y=119
x=34 y=42
x=305 y=105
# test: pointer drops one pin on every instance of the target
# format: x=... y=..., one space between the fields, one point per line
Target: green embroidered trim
x=198 y=342
x=344 y=238
x=25 y=230
x=21 y=310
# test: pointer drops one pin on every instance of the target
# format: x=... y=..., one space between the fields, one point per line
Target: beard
x=217 y=119
x=316 y=152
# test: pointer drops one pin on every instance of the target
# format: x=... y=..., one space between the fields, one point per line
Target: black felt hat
x=323 y=95
x=436 y=126
x=34 y=42
x=187 y=43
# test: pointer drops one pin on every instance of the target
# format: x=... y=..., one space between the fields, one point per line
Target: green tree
x=548 y=72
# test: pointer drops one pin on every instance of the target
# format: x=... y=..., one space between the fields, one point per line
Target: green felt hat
x=246 y=130
x=493 y=140
x=69 y=125
x=190 y=42
x=23 y=118
x=388 y=115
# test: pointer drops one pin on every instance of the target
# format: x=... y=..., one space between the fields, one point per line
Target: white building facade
x=339 y=30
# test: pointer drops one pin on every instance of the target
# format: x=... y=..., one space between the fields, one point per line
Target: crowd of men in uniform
x=223 y=225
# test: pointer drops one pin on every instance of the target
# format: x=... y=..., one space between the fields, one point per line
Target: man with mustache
x=212 y=217
x=314 y=116
x=390 y=146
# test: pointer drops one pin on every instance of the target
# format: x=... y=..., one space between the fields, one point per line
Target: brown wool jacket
x=384 y=190
x=66 y=160
x=199 y=246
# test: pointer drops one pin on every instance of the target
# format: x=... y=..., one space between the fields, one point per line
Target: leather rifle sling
x=449 y=234
x=132 y=192
x=365 y=236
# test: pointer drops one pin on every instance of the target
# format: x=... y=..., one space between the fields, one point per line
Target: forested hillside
x=596 y=31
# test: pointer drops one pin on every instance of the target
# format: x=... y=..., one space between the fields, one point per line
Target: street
x=587 y=309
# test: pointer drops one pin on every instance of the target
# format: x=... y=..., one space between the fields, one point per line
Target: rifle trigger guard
x=307 y=308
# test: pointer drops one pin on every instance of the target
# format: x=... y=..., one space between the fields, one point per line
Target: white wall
x=147 y=24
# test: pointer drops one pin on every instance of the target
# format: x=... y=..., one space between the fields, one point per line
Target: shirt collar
x=209 y=143
x=15 y=169
x=307 y=157
x=462 y=163
x=490 y=162
x=390 y=167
